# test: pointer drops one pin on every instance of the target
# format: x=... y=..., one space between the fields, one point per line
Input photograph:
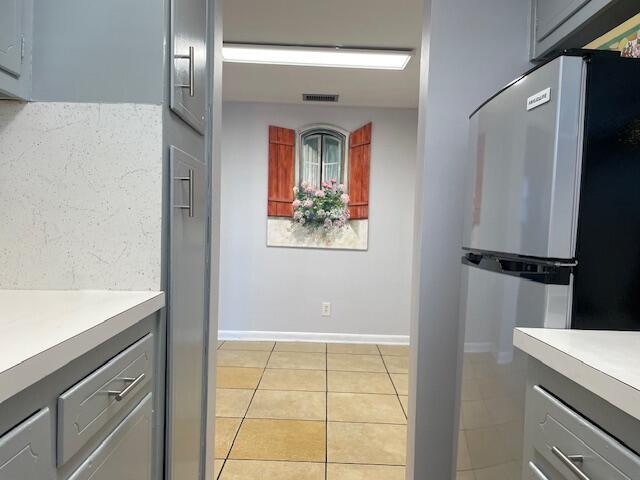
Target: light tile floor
x=311 y=411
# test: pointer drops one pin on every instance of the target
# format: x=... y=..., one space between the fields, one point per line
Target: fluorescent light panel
x=316 y=56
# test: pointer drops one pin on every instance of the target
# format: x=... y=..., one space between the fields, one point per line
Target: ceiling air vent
x=319 y=97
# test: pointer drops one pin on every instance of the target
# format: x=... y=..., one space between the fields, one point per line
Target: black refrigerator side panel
x=607 y=277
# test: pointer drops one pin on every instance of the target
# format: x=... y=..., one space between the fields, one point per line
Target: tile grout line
x=326 y=391
x=244 y=416
x=356 y=422
x=326 y=414
x=392 y=383
x=306 y=351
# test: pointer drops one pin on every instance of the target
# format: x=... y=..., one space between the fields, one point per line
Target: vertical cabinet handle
x=189 y=180
x=191 y=84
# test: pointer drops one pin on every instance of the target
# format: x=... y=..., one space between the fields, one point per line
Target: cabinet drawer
x=126 y=452
x=87 y=406
x=562 y=438
x=26 y=451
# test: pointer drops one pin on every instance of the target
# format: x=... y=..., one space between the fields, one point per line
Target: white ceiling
x=352 y=23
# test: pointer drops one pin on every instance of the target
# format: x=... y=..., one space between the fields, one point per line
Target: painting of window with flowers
x=318 y=187
x=625 y=39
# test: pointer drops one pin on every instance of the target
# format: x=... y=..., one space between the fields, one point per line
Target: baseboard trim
x=313 y=337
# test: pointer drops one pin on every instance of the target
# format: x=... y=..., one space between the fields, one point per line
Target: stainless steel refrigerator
x=552 y=233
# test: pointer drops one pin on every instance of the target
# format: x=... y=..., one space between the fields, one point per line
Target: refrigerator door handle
x=526 y=269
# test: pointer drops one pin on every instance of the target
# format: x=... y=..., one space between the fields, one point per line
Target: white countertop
x=604 y=362
x=43 y=330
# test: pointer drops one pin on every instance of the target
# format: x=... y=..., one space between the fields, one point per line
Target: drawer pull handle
x=134 y=383
x=571 y=461
x=189 y=180
x=192 y=74
x=537 y=472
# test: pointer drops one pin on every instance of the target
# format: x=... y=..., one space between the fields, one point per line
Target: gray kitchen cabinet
x=561 y=444
x=189 y=65
x=126 y=452
x=11 y=12
x=87 y=407
x=26 y=450
x=570 y=431
x=15 y=46
x=551 y=14
x=186 y=315
x=100 y=421
x=561 y=24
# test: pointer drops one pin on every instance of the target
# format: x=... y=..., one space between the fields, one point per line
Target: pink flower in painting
x=323 y=208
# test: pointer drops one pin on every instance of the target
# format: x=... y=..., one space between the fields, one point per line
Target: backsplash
x=80 y=196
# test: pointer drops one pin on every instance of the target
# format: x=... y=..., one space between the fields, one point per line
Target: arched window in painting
x=322 y=156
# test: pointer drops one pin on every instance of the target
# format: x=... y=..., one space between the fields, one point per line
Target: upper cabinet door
x=561 y=24
x=550 y=14
x=189 y=63
x=11 y=36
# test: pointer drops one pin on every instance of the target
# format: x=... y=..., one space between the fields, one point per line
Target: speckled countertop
x=43 y=330
x=606 y=363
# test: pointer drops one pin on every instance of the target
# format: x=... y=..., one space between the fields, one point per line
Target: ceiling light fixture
x=337 y=57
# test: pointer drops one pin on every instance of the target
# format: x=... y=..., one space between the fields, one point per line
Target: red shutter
x=281 y=171
x=359 y=162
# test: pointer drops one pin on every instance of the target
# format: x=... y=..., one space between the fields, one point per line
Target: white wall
x=81 y=196
x=280 y=289
x=470 y=50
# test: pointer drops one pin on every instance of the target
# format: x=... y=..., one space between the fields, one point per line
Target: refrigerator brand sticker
x=539 y=98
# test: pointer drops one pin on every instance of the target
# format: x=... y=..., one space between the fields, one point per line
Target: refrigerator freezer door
x=494 y=372
x=525 y=148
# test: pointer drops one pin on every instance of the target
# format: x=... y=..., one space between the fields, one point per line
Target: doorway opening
x=316 y=239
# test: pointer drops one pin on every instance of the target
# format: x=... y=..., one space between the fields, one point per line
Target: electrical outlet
x=326 y=309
